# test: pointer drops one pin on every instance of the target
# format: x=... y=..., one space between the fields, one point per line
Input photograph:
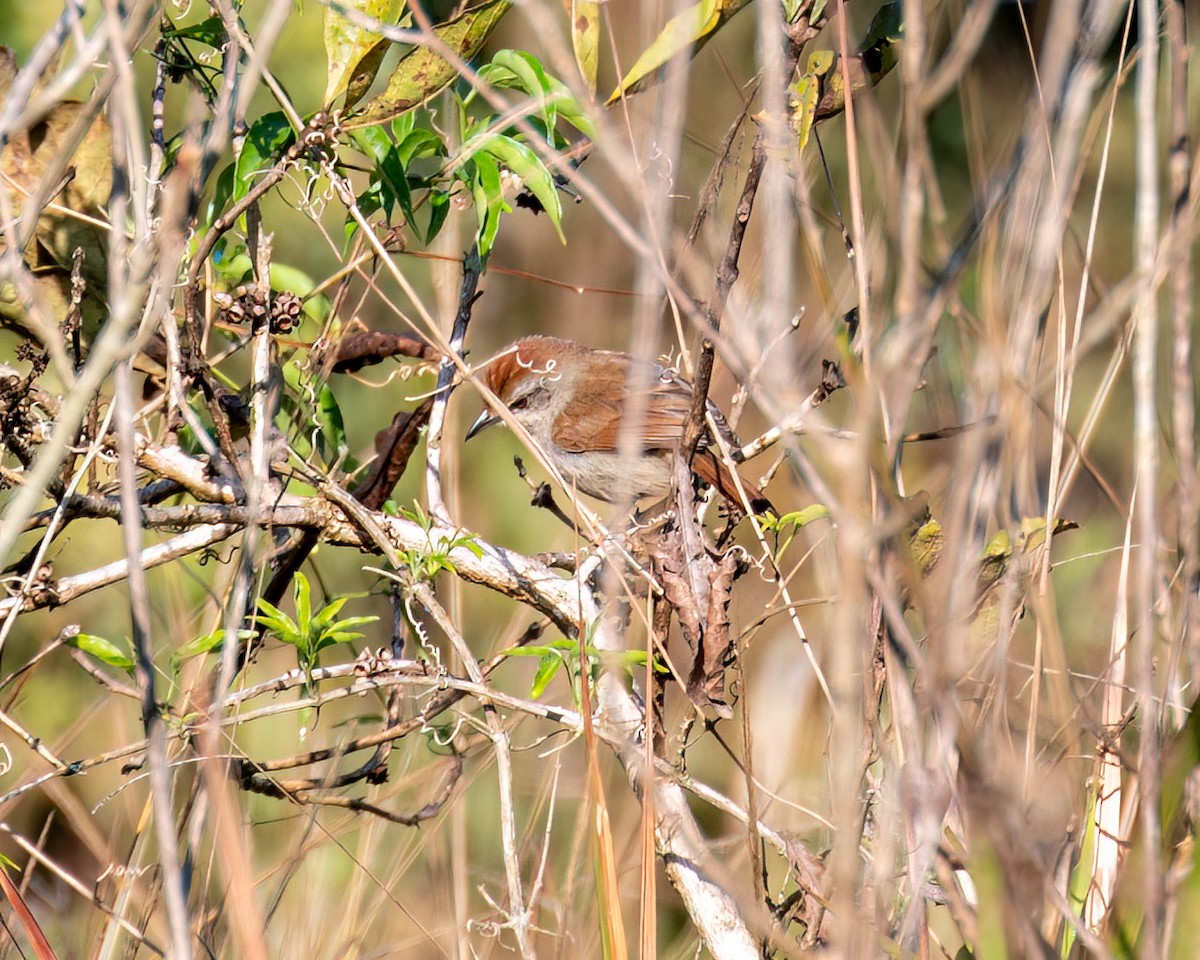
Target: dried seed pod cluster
x=245 y=305
x=286 y=310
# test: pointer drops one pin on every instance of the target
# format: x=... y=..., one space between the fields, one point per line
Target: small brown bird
x=572 y=399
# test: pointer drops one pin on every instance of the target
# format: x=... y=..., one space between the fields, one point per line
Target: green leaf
x=302 y=596
x=421 y=72
x=210 y=31
x=573 y=112
x=548 y=666
x=202 y=644
x=222 y=193
x=526 y=164
x=393 y=178
x=311 y=633
x=230 y=260
x=471 y=545
x=541 y=649
x=368 y=203
x=419 y=517
x=402 y=126
x=284 y=277
x=283 y=627
x=875 y=57
x=355 y=622
x=341 y=636
x=887 y=27
x=208 y=643
x=631 y=660
x=439 y=208
x=265 y=142
x=527 y=74
x=373 y=142
x=925 y=545
x=689 y=30
x=522 y=71
x=103 y=650
x=999 y=547
x=392 y=154
x=352 y=52
x=417 y=144
x=327 y=613
x=333 y=427
x=488 y=191
x=278 y=622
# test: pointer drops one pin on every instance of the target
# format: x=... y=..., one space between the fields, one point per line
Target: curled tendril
x=419 y=628
x=212 y=553
x=547 y=371
x=432 y=733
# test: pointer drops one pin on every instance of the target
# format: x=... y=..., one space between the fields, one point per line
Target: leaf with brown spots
x=422 y=72
x=585 y=39
x=354 y=52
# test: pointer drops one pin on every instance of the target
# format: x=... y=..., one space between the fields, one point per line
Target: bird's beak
x=482 y=422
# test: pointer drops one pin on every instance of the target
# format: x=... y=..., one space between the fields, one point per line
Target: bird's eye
x=520 y=403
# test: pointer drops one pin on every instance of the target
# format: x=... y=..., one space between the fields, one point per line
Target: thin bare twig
x=468 y=294
x=1146 y=461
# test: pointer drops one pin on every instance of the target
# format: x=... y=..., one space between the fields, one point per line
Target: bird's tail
x=713 y=471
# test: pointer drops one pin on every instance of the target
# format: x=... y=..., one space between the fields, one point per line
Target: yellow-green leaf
x=585 y=39
x=689 y=30
x=805 y=93
x=101 y=649
x=422 y=72
x=819 y=63
x=797 y=518
x=876 y=57
x=353 y=52
x=547 y=667
x=926 y=543
x=363 y=75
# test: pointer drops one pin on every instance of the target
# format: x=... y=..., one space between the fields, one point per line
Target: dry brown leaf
x=393 y=448
x=24 y=163
x=703 y=621
x=365 y=348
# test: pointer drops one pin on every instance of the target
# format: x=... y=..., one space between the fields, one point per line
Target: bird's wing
x=593 y=422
